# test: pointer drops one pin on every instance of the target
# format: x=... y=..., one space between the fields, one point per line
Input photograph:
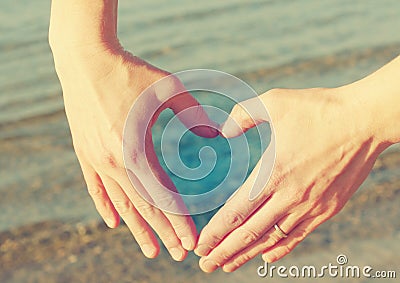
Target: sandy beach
x=366 y=231
x=49 y=228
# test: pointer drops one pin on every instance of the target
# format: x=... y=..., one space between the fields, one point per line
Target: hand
x=325 y=148
x=99 y=86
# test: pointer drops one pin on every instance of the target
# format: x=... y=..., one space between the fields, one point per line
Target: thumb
x=186 y=107
x=193 y=115
x=244 y=116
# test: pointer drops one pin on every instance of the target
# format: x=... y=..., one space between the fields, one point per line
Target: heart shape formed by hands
x=217 y=167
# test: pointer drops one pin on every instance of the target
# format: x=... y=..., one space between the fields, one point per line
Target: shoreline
x=69 y=251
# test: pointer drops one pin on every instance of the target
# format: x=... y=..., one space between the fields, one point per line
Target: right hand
x=326 y=144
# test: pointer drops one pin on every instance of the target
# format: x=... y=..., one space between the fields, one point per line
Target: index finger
x=233 y=213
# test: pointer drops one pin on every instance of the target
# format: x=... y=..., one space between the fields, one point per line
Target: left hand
x=99 y=90
x=326 y=145
x=101 y=81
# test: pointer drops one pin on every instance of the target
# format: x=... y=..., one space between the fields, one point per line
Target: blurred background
x=49 y=229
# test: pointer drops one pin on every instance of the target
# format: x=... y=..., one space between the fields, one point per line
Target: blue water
x=304 y=43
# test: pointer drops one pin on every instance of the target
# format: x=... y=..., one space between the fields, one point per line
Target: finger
x=99 y=195
x=157 y=219
x=183 y=225
x=252 y=230
x=185 y=106
x=150 y=181
x=230 y=216
x=285 y=246
x=287 y=224
x=136 y=224
x=244 y=116
x=155 y=182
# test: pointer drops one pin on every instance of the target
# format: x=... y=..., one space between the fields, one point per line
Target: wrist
x=375 y=110
x=76 y=24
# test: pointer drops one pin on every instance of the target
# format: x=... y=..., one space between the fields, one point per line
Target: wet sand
x=49 y=229
x=367 y=231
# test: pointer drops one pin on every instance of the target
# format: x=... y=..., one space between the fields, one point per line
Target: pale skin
x=100 y=83
x=326 y=140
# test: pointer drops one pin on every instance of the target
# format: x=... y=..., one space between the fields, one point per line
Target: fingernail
x=215 y=131
x=202 y=250
x=220 y=132
x=187 y=244
x=208 y=265
x=176 y=253
x=148 y=250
